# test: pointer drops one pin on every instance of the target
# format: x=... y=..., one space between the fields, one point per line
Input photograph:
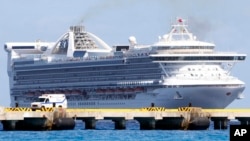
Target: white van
x=50 y=100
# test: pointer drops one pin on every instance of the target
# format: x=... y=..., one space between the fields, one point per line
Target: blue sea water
x=105 y=132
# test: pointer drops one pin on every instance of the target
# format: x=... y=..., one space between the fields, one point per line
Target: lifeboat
x=38 y=92
x=67 y=91
x=61 y=91
x=42 y=92
x=30 y=93
x=103 y=91
x=119 y=91
x=49 y=92
x=76 y=91
x=138 y=89
x=84 y=92
x=130 y=90
x=58 y=91
x=99 y=91
x=112 y=90
x=109 y=91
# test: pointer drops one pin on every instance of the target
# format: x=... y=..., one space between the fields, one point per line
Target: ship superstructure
x=176 y=71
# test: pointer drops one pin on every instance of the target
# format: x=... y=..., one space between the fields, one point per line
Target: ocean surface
x=105 y=132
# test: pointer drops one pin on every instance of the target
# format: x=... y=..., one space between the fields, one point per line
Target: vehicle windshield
x=41 y=99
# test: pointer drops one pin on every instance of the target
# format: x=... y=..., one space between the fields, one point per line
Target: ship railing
x=196 y=51
x=175 y=85
x=94 y=58
x=41 y=59
x=192 y=52
x=227 y=78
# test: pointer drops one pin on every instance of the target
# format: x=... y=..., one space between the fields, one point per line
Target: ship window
x=79 y=53
x=61 y=47
x=178 y=95
x=41 y=99
x=191 y=58
x=23 y=47
x=241 y=57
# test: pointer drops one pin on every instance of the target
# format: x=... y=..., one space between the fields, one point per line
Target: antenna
x=81 y=22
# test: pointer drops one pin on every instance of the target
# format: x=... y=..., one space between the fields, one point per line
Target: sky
x=226 y=23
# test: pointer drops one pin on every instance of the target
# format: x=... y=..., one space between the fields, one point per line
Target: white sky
x=223 y=22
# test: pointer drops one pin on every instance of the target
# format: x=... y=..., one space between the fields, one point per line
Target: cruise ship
x=176 y=71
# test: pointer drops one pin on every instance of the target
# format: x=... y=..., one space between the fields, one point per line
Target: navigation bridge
x=183 y=118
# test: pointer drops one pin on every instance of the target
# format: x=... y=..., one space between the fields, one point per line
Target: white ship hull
x=200 y=96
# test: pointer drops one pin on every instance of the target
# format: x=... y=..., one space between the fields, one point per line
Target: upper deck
x=78 y=45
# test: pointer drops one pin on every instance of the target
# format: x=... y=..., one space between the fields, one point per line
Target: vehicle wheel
x=42 y=108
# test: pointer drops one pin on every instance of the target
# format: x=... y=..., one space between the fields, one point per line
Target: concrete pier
x=184 y=118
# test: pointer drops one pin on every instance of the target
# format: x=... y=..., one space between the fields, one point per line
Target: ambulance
x=50 y=100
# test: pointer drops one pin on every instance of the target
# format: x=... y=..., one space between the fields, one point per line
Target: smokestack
x=77 y=29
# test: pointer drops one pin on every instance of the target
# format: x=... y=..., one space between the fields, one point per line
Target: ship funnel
x=77 y=29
